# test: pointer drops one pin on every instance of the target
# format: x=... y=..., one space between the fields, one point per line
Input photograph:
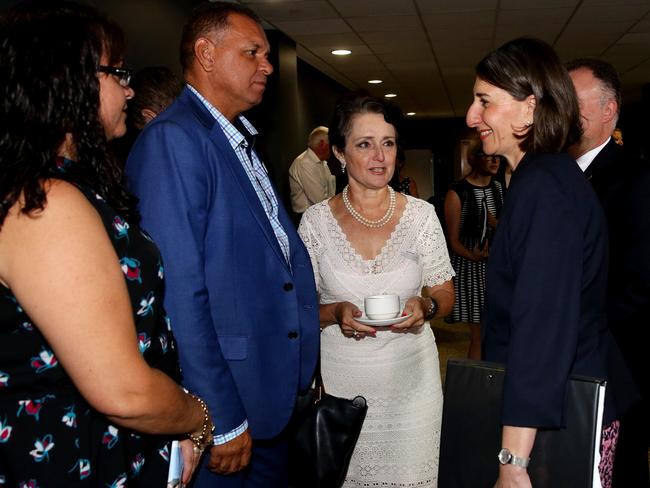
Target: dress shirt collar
x=311 y=155
x=587 y=158
x=233 y=133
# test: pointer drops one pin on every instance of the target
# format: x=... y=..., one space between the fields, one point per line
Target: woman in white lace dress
x=370 y=240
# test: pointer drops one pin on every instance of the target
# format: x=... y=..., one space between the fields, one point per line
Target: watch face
x=504 y=456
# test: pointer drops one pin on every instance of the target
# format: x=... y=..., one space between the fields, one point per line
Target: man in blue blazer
x=240 y=287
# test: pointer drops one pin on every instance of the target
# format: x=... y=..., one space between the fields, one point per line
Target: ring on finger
x=355 y=334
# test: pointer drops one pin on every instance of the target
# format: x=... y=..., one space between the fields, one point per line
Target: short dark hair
x=155 y=88
x=603 y=72
x=206 y=18
x=528 y=66
x=49 y=54
x=360 y=103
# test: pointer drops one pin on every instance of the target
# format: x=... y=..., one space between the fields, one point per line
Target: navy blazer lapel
x=603 y=159
x=229 y=157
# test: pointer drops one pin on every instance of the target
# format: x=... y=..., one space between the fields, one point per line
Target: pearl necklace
x=375 y=224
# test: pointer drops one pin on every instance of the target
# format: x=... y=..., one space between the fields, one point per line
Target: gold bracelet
x=204 y=439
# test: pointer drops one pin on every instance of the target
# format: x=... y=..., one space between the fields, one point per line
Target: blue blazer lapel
x=241 y=178
x=229 y=158
x=289 y=227
x=254 y=203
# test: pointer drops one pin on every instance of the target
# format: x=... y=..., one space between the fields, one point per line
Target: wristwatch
x=431 y=311
x=506 y=457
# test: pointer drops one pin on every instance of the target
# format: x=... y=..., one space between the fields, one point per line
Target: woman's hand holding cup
x=345 y=314
x=416 y=307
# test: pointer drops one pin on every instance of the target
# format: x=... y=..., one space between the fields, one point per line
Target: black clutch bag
x=471 y=431
x=323 y=432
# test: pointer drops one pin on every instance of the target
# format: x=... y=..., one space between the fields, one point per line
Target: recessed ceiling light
x=390 y=95
x=341 y=52
x=375 y=82
x=410 y=113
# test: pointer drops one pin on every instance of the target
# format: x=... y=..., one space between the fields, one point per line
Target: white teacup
x=380 y=307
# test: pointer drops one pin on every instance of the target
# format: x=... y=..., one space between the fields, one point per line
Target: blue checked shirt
x=259 y=178
x=228 y=436
x=254 y=168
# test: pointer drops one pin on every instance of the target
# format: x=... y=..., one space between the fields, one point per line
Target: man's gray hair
x=319 y=134
x=607 y=76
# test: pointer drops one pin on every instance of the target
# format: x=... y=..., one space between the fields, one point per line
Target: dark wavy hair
x=360 y=103
x=528 y=66
x=49 y=54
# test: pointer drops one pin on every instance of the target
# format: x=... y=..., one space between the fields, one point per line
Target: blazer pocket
x=234 y=347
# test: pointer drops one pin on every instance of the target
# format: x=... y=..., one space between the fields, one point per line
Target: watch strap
x=519 y=461
x=507 y=457
x=431 y=311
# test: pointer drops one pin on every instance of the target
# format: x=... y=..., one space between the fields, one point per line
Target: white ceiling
x=426 y=50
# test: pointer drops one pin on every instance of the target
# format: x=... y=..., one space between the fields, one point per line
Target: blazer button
x=288 y=286
x=292 y=335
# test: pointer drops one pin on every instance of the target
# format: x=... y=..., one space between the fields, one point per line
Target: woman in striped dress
x=472 y=208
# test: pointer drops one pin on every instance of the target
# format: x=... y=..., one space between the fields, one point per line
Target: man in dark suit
x=623 y=187
x=240 y=288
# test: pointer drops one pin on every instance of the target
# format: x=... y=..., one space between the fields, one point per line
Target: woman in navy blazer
x=546 y=277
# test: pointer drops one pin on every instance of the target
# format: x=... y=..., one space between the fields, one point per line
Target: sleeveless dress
x=398 y=373
x=49 y=435
x=469 y=283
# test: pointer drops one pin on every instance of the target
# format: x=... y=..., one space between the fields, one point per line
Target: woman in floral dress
x=88 y=368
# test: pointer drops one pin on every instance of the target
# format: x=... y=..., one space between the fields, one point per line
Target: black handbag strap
x=318 y=379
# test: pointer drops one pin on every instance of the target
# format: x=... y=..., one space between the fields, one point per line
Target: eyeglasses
x=123 y=74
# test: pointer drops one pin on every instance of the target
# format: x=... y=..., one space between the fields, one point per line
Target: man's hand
x=232 y=456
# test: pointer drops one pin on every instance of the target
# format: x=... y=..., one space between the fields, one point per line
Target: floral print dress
x=49 y=435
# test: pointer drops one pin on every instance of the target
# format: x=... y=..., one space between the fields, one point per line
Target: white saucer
x=382 y=322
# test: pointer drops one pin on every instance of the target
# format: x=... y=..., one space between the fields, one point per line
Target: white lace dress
x=398 y=373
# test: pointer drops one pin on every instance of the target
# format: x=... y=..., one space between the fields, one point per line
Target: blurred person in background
x=310 y=179
x=621 y=183
x=155 y=88
x=405 y=185
x=472 y=209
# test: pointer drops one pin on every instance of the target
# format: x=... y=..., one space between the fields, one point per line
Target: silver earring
x=528 y=123
x=343 y=168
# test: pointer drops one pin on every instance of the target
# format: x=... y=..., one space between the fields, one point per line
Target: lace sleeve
x=312 y=243
x=433 y=249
